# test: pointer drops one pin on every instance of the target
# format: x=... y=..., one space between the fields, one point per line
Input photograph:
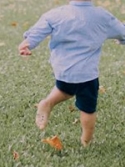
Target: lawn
x=25 y=81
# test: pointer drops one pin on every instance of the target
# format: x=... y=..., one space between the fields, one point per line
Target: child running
x=77 y=32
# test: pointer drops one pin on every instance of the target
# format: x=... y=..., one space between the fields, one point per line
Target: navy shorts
x=86 y=93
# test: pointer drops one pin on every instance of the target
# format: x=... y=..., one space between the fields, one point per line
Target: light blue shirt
x=77 y=32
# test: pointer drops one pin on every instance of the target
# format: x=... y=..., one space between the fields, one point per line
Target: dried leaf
x=54 y=142
x=102 y=89
x=75 y=121
x=71 y=108
x=15 y=155
x=14 y=24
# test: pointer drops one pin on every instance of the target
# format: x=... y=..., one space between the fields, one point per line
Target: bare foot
x=42 y=115
x=42 y=120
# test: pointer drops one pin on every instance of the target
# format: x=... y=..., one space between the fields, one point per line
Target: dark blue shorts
x=86 y=93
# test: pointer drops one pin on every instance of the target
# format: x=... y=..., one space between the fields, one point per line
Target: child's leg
x=45 y=106
x=88 y=126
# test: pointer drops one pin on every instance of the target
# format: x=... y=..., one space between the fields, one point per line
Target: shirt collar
x=81 y=3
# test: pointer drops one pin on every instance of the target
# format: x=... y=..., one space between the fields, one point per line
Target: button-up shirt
x=77 y=32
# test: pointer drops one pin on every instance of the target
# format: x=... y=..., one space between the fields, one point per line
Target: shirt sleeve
x=115 y=29
x=38 y=32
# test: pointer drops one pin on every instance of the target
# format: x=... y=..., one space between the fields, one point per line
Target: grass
x=23 y=82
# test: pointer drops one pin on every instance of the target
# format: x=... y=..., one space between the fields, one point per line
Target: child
x=77 y=32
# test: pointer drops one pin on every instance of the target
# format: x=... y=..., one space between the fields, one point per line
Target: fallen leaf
x=14 y=24
x=75 y=121
x=102 y=89
x=15 y=155
x=71 y=108
x=54 y=142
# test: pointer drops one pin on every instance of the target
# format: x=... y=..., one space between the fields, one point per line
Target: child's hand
x=24 y=48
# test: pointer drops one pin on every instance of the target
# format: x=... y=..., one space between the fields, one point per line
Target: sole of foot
x=42 y=120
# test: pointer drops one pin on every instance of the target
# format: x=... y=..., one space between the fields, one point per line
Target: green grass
x=24 y=82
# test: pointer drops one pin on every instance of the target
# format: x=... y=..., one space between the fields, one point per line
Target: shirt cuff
x=26 y=34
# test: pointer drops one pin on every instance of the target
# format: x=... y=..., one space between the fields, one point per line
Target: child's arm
x=35 y=35
x=115 y=29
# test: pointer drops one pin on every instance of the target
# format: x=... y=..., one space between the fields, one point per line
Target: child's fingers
x=25 y=52
x=21 y=52
x=24 y=49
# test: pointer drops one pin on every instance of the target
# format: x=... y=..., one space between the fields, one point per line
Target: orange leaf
x=54 y=142
x=15 y=155
x=14 y=24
